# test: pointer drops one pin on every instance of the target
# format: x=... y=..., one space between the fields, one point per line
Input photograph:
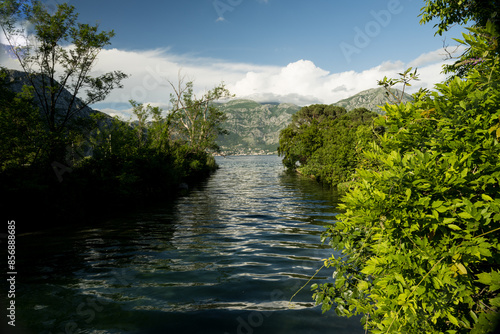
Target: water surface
x=225 y=257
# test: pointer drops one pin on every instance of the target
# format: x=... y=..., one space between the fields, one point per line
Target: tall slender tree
x=197 y=120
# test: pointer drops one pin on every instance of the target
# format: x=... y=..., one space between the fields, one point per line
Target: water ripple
x=242 y=242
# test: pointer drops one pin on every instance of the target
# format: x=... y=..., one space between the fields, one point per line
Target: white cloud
x=300 y=82
x=436 y=56
x=306 y=83
x=124 y=114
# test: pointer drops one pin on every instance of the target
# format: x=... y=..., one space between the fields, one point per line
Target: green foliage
x=450 y=13
x=197 y=121
x=125 y=162
x=486 y=18
x=112 y=136
x=324 y=141
x=419 y=236
x=53 y=69
x=479 y=53
x=301 y=137
x=316 y=113
x=404 y=78
x=22 y=128
x=138 y=159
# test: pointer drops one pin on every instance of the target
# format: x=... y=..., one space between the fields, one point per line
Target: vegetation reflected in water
x=224 y=258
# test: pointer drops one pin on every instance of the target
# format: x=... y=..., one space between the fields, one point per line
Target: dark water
x=224 y=258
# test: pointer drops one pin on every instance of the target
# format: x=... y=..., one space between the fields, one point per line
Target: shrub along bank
x=419 y=236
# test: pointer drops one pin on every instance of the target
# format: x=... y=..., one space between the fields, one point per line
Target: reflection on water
x=224 y=258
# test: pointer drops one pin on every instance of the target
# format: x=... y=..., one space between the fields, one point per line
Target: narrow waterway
x=225 y=257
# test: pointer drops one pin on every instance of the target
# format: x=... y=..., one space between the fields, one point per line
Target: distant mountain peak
x=371 y=99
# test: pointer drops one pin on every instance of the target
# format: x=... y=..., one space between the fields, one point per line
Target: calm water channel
x=224 y=258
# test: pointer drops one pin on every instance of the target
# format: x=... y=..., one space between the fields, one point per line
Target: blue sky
x=273 y=32
x=315 y=51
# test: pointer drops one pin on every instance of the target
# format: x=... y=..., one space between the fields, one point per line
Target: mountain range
x=15 y=81
x=254 y=127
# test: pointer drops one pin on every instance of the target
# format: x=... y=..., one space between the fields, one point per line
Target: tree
x=318 y=113
x=323 y=141
x=454 y=12
x=197 y=121
x=420 y=233
x=482 y=13
x=301 y=137
x=405 y=78
x=59 y=57
x=343 y=141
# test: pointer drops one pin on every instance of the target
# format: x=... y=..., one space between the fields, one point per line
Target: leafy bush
x=420 y=233
x=325 y=141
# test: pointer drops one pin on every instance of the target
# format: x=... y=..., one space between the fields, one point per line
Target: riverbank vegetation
x=324 y=142
x=60 y=159
x=419 y=234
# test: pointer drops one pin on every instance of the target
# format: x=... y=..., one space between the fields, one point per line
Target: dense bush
x=324 y=142
x=419 y=238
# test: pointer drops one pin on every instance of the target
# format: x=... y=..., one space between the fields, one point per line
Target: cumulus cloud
x=300 y=82
x=306 y=83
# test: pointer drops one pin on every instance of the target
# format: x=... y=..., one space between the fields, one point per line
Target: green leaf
x=362 y=285
x=454 y=227
x=461 y=268
x=484 y=278
x=465 y=215
x=437 y=204
x=442 y=209
x=485 y=252
x=408 y=194
x=495 y=302
x=473 y=316
x=452 y=319
x=447 y=221
x=400 y=278
x=486 y=198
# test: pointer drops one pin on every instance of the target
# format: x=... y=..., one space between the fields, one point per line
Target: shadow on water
x=224 y=258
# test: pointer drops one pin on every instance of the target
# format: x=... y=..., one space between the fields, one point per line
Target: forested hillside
x=253 y=128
